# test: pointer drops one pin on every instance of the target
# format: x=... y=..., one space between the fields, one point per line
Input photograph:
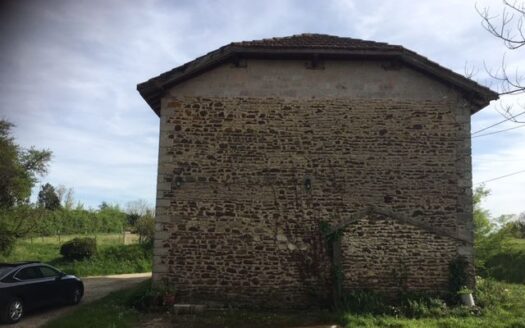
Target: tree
x=68 y=199
x=509 y=28
x=138 y=209
x=48 y=198
x=104 y=205
x=145 y=227
x=482 y=225
x=19 y=168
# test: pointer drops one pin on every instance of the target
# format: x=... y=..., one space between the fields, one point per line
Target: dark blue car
x=28 y=285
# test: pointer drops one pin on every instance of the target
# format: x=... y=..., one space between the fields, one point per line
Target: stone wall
x=381 y=254
x=245 y=182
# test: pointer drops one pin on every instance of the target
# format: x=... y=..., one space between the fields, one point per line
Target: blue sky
x=69 y=69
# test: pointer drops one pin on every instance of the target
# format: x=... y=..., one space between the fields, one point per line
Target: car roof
x=15 y=264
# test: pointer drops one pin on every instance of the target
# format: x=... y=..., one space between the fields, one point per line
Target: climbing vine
x=332 y=240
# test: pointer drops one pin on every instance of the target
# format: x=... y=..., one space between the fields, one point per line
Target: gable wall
x=235 y=221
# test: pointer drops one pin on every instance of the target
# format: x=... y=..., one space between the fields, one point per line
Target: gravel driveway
x=95 y=288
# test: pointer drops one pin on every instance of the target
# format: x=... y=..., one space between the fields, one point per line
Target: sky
x=69 y=69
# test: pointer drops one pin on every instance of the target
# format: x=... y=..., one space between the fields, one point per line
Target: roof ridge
x=312 y=40
x=305 y=45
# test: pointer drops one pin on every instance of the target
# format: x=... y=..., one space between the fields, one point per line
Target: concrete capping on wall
x=359 y=215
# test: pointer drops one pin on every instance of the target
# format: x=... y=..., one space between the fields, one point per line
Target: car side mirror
x=60 y=275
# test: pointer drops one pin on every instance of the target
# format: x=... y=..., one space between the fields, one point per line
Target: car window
x=4 y=270
x=48 y=272
x=29 y=273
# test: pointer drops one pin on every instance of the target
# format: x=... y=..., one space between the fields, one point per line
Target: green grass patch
x=502 y=306
x=112 y=256
x=110 y=260
x=110 y=311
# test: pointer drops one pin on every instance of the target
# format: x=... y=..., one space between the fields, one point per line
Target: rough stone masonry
x=264 y=143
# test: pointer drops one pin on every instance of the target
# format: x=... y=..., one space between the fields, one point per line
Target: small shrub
x=489 y=293
x=423 y=306
x=79 y=249
x=405 y=305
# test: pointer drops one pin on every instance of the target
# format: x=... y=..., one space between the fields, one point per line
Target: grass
x=112 y=256
x=503 y=306
x=110 y=311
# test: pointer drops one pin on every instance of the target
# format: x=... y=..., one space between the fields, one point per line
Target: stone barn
x=293 y=169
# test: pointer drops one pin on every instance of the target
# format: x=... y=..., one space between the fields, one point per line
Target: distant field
x=102 y=239
x=113 y=257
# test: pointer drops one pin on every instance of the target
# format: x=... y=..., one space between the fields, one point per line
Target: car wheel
x=13 y=312
x=75 y=296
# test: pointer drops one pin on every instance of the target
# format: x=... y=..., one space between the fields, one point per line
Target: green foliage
x=132 y=218
x=111 y=258
x=16 y=222
x=48 y=198
x=495 y=255
x=423 y=307
x=517 y=228
x=18 y=168
x=482 y=225
x=364 y=302
x=7 y=241
x=81 y=221
x=145 y=228
x=79 y=249
x=114 y=259
x=502 y=306
x=508 y=265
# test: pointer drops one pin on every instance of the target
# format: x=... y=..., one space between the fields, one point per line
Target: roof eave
x=153 y=89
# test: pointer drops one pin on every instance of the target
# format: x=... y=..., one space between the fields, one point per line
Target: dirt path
x=95 y=288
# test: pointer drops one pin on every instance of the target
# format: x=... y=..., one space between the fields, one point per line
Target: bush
x=489 y=293
x=114 y=259
x=364 y=302
x=423 y=306
x=409 y=305
x=507 y=266
x=79 y=249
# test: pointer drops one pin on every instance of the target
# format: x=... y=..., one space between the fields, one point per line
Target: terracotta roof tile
x=309 y=40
